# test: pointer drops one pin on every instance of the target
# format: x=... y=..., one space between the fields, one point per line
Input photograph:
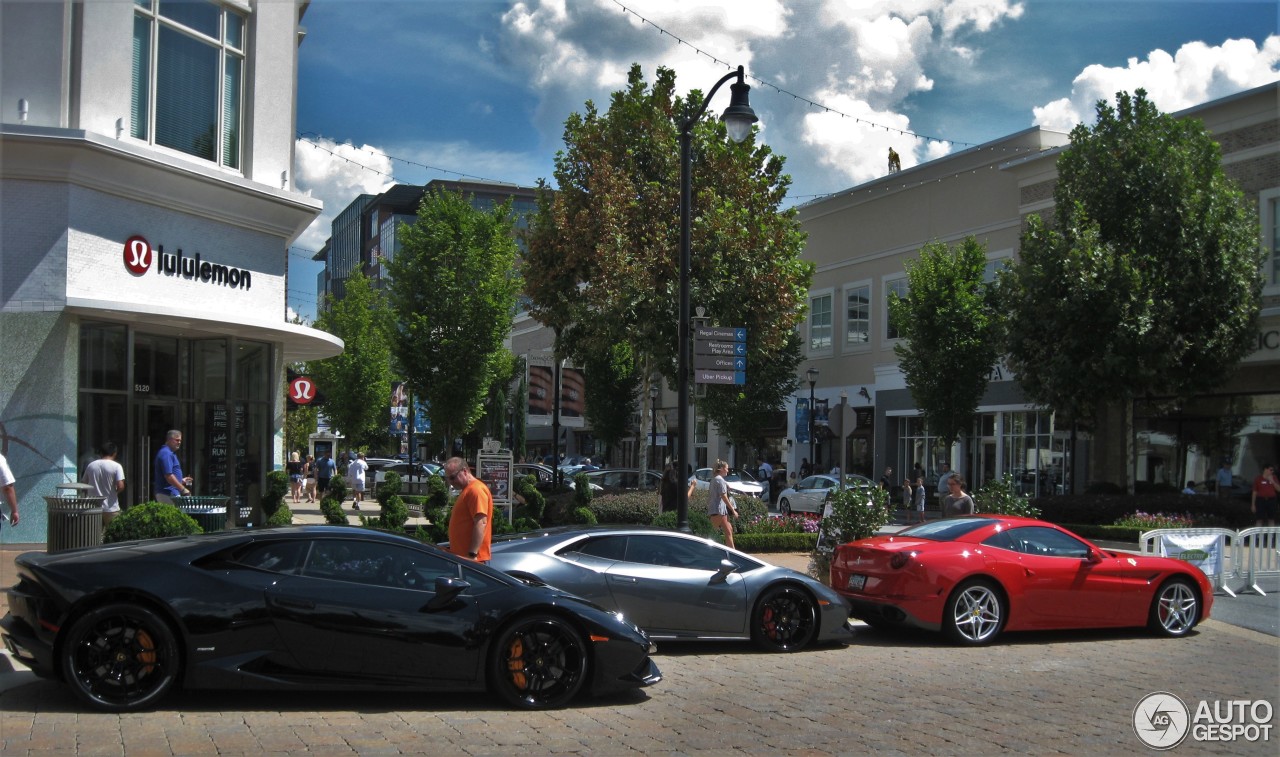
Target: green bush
x=150 y=520
x=394 y=512
x=534 y=503
x=625 y=508
x=338 y=488
x=855 y=514
x=699 y=523
x=775 y=542
x=437 y=524
x=583 y=516
x=331 y=509
x=998 y=496
x=390 y=487
x=437 y=493
x=1106 y=509
x=749 y=509
x=274 y=493
x=283 y=516
x=582 y=493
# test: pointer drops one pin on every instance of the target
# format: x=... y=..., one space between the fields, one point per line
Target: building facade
x=859 y=240
x=146 y=190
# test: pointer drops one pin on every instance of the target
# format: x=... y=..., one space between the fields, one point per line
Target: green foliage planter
x=273 y=498
x=332 y=511
x=150 y=520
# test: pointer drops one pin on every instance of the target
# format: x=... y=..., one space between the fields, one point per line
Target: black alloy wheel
x=120 y=657
x=539 y=662
x=784 y=620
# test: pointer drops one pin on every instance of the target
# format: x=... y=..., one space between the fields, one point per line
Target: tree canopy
x=1147 y=283
x=357 y=383
x=950 y=326
x=603 y=250
x=453 y=293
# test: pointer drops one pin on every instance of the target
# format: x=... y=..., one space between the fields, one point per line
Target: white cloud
x=1196 y=73
x=336 y=174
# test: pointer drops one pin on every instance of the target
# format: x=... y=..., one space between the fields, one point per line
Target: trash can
x=210 y=511
x=75 y=518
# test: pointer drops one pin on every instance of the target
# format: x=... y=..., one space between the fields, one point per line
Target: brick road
x=1037 y=693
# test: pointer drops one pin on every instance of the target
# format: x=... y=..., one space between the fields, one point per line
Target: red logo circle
x=138 y=255
x=302 y=390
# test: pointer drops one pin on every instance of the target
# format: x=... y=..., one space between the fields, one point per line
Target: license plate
x=856 y=582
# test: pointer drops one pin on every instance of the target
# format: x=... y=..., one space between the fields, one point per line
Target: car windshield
x=948 y=529
x=739 y=477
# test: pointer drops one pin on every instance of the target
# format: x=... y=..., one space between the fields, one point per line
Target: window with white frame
x=188 y=78
x=1269 y=205
x=857 y=317
x=820 y=323
x=897 y=286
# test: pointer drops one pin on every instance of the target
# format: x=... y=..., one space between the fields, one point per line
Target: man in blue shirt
x=169 y=481
x=325 y=468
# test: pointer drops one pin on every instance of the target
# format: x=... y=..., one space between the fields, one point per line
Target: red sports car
x=974 y=577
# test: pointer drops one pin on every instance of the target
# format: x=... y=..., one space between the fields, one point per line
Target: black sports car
x=310 y=607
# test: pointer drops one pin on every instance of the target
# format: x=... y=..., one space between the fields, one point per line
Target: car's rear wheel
x=784 y=505
x=1175 y=609
x=784 y=619
x=974 y=614
x=539 y=662
x=120 y=657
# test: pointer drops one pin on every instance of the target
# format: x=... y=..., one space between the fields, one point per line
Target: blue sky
x=399 y=91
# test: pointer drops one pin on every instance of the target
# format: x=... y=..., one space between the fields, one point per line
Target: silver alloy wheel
x=1177 y=608
x=976 y=614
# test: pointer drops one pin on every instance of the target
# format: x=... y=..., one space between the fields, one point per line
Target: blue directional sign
x=720 y=355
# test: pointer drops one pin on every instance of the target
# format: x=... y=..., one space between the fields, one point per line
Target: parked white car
x=739 y=482
x=810 y=494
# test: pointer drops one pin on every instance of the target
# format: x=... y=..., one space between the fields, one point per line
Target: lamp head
x=812 y=373
x=739 y=116
x=653 y=392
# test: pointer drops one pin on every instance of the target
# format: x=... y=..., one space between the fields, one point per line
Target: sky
x=407 y=91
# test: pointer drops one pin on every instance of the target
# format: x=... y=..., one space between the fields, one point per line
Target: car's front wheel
x=539 y=662
x=784 y=505
x=1175 y=609
x=784 y=620
x=120 y=657
x=974 y=614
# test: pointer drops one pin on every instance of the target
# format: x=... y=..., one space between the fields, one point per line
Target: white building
x=146 y=193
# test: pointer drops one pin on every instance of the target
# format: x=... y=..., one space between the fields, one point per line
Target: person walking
x=1263 y=503
x=956 y=503
x=669 y=491
x=918 y=497
x=169 y=480
x=470 y=524
x=356 y=478
x=309 y=478
x=7 y=490
x=325 y=470
x=1224 y=480
x=720 y=506
x=294 y=469
x=106 y=477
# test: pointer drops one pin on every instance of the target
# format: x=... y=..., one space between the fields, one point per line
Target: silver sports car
x=678 y=586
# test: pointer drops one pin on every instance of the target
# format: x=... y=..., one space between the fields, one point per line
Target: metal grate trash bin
x=75 y=518
x=210 y=511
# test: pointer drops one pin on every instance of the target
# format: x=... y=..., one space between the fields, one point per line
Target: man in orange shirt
x=469 y=525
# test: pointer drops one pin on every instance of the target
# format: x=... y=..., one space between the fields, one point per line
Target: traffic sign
x=719 y=355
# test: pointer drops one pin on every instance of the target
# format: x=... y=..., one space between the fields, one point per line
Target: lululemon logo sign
x=138 y=255
x=302 y=390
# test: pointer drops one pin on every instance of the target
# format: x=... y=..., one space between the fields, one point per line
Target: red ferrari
x=974 y=577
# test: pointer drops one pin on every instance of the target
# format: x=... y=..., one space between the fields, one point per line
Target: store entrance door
x=154 y=420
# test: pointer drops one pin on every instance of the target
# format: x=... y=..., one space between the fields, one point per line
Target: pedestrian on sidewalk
x=918 y=496
x=356 y=478
x=294 y=469
x=106 y=476
x=470 y=524
x=309 y=478
x=7 y=491
x=325 y=470
x=169 y=479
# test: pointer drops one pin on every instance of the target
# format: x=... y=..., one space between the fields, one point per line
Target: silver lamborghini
x=677 y=586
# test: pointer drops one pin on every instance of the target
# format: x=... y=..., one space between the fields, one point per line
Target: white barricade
x=1206 y=548
x=1257 y=554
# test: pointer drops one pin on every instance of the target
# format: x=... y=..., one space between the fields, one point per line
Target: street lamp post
x=653 y=425
x=813 y=381
x=738 y=118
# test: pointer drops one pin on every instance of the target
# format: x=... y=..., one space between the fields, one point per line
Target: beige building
x=859 y=240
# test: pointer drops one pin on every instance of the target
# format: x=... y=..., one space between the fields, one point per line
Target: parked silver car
x=678 y=586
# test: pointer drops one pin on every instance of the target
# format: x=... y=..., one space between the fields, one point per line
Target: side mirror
x=1094 y=556
x=447 y=591
x=726 y=567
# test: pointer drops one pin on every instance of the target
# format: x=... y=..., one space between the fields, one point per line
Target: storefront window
x=210 y=371
x=102 y=356
x=156 y=366
x=253 y=371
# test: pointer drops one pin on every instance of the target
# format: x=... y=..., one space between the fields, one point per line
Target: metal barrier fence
x=1257 y=553
x=1250 y=554
x=1209 y=550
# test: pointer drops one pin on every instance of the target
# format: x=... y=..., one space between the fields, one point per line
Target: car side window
x=1001 y=539
x=672 y=553
x=1038 y=540
x=603 y=547
x=376 y=564
x=274 y=556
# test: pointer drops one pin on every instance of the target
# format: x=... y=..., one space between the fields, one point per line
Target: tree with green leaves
x=357 y=383
x=950 y=328
x=612 y=385
x=1147 y=283
x=603 y=250
x=453 y=294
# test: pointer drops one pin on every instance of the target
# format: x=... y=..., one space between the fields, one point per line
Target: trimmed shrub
x=1106 y=509
x=331 y=509
x=749 y=509
x=389 y=488
x=437 y=529
x=338 y=488
x=273 y=495
x=283 y=516
x=777 y=542
x=394 y=512
x=582 y=492
x=534 y=503
x=150 y=520
x=584 y=516
x=625 y=508
x=999 y=496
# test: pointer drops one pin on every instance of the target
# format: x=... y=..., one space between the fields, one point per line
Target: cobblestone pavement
x=1039 y=693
